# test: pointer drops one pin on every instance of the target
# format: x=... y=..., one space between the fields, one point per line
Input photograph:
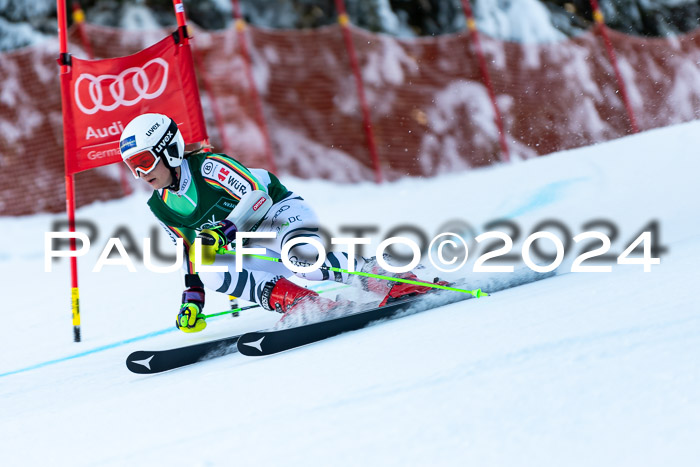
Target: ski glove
x=189 y=318
x=228 y=229
x=218 y=236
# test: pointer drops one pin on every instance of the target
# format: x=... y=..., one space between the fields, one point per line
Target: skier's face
x=160 y=176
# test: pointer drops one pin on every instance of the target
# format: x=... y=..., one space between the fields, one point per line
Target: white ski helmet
x=155 y=133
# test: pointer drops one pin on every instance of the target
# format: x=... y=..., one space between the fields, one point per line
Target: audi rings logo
x=120 y=92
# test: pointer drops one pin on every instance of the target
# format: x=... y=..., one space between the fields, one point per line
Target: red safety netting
x=31 y=138
x=430 y=111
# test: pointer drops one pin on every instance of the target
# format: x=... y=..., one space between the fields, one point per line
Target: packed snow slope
x=578 y=369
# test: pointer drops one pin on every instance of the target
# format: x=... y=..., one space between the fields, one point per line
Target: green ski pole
x=236 y=310
x=249 y=307
x=476 y=293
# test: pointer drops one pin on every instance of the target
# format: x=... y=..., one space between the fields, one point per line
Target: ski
x=270 y=342
x=261 y=343
x=157 y=361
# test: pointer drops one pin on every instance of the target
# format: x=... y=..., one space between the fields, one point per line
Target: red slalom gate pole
x=603 y=30
x=185 y=36
x=181 y=20
x=240 y=33
x=474 y=34
x=70 y=186
x=344 y=21
x=214 y=103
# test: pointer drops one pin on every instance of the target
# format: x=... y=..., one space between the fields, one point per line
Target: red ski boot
x=402 y=289
x=283 y=295
x=391 y=290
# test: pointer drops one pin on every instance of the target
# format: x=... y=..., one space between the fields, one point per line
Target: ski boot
x=284 y=296
x=390 y=290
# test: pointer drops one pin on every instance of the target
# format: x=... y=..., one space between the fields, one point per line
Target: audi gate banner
x=100 y=97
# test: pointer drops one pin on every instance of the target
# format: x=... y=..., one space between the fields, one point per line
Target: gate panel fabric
x=101 y=96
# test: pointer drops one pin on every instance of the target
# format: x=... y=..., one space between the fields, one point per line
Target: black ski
x=156 y=361
x=269 y=342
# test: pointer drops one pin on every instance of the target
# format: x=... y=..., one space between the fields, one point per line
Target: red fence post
x=344 y=21
x=240 y=32
x=603 y=30
x=474 y=33
x=79 y=21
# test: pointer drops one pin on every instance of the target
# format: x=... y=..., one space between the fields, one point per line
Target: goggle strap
x=162 y=145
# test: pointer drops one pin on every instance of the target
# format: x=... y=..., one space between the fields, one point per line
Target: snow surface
x=525 y=21
x=578 y=369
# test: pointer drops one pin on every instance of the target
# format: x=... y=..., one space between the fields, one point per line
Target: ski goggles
x=144 y=162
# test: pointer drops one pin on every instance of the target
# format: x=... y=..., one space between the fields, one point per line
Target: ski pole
x=230 y=311
x=249 y=307
x=476 y=293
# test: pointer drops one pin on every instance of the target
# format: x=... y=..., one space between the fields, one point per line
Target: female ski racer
x=212 y=196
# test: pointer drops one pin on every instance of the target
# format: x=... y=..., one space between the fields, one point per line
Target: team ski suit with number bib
x=211 y=197
x=211 y=187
